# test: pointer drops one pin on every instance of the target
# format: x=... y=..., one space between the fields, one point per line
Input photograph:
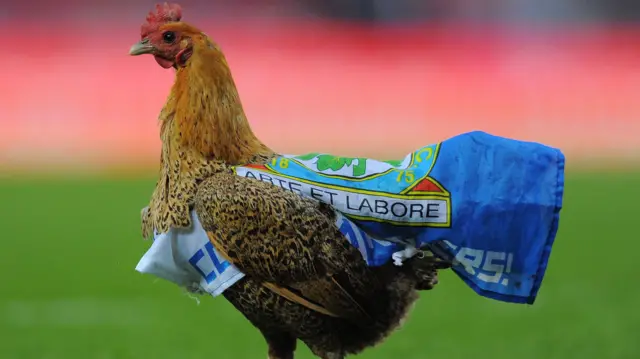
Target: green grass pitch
x=69 y=289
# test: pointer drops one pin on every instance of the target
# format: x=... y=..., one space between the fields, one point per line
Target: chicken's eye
x=169 y=37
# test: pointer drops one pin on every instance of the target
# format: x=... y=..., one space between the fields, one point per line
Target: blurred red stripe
x=73 y=94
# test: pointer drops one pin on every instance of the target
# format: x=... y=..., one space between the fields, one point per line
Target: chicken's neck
x=209 y=115
x=204 y=130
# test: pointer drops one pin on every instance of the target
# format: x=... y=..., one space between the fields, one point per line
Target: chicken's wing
x=279 y=237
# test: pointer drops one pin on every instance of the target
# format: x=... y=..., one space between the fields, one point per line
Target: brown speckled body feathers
x=300 y=247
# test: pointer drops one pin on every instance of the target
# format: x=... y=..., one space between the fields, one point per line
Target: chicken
x=303 y=280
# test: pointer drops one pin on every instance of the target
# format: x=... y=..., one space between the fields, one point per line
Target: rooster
x=303 y=280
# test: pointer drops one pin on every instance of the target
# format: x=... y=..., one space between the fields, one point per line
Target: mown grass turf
x=69 y=289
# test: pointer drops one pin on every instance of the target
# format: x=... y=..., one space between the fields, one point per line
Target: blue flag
x=490 y=204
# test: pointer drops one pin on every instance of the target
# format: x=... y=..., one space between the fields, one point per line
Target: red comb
x=163 y=13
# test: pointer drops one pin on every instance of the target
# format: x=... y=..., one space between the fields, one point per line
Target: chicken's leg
x=281 y=345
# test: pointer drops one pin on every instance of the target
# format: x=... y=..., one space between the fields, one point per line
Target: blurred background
x=79 y=149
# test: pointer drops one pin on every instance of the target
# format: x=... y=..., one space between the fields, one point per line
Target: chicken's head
x=165 y=37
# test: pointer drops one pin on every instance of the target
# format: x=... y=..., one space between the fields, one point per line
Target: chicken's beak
x=141 y=48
